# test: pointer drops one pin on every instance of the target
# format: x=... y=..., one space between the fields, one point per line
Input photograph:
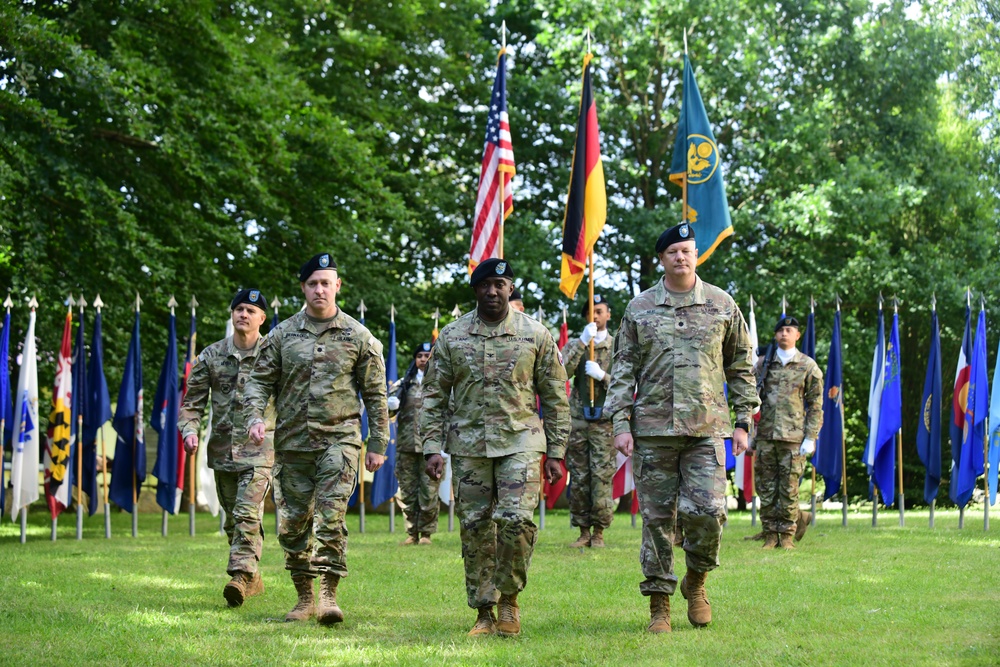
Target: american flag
x=498 y=163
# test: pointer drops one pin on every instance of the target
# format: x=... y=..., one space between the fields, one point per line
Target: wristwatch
x=743 y=425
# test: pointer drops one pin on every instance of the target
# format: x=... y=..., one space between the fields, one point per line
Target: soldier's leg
x=790 y=469
x=578 y=466
x=766 y=481
x=295 y=499
x=603 y=464
x=518 y=479
x=430 y=503
x=336 y=475
x=248 y=512
x=655 y=468
x=409 y=488
x=474 y=500
x=226 y=487
x=702 y=501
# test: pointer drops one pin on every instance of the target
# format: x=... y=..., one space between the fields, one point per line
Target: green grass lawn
x=855 y=596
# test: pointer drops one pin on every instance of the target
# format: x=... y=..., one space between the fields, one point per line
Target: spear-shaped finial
x=138 y=302
x=880 y=300
x=172 y=304
x=812 y=304
x=895 y=304
x=933 y=301
x=275 y=304
x=564 y=314
x=503 y=35
x=540 y=314
x=837 y=298
x=70 y=302
x=588 y=39
x=392 y=313
x=456 y=311
x=81 y=303
x=362 y=308
x=98 y=304
x=33 y=303
x=968 y=297
x=7 y=303
x=193 y=303
x=784 y=305
x=752 y=303
x=982 y=302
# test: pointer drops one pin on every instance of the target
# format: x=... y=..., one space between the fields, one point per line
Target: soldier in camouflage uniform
x=791 y=414
x=678 y=343
x=590 y=458
x=479 y=405
x=314 y=364
x=418 y=492
x=242 y=467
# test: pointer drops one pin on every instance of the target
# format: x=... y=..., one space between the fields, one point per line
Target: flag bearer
x=791 y=414
x=479 y=405
x=242 y=467
x=314 y=364
x=679 y=342
x=418 y=491
x=590 y=457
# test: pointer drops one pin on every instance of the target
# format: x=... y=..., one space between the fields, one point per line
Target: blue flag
x=875 y=395
x=384 y=483
x=696 y=161
x=97 y=412
x=129 y=469
x=890 y=418
x=994 y=453
x=957 y=424
x=929 y=423
x=163 y=419
x=970 y=461
x=809 y=338
x=829 y=457
x=79 y=406
x=6 y=404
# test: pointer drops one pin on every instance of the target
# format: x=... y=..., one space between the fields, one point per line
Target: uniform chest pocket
x=468 y=363
x=515 y=363
x=334 y=357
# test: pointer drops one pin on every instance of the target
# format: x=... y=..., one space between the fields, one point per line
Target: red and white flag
x=623 y=482
x=744 y=464
x=59 y=446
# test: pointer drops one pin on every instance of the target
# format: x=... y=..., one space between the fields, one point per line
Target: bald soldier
x=314 y=364
x=680 y=341
x=242 y=467
x=479 y=405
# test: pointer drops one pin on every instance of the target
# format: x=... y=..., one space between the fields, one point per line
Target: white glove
x=588 y=334
x=593 y=369
x=808 y=447
x=393 y=403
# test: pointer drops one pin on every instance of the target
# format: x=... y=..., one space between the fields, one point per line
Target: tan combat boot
x=785 y=541
x=410 y=539
x=759 y=537
x=693 y=590
x=256 y=585
x=425 y=539
x=305 y=607
x=509 y=616
x=659 y=613
x=236 y=590
x=583 y=540
x=328 y=612
x=770 y=541
x=802 y=525
x=486 y=622
x=597 y=539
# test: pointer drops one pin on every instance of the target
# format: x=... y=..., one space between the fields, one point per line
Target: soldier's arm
x=369 y=373
x=196 y=399
x=737 y=354
x=438 y=381
x=624 y=362
x=265 y=375
x=550 y=384
x=814 y=403
x=572 y=354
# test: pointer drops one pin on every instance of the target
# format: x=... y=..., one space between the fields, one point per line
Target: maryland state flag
x=696 y=162
x=59 y=449
x=587 y=206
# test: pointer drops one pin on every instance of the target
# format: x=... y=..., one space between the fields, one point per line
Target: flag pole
x=172 y=304
x=33 y=304
x=392 y=501
x=899 y=436
x=192 y=461
x=79 y=447
x=930 y=521
x=503 y=53
x=590 y=319
x=843 y=452
x=361 y=466
x=98 y=304
x=961 y=510
x=135 y=431
x=8 y=304
x=986 y=454
x=812 y=491
x=55 y=520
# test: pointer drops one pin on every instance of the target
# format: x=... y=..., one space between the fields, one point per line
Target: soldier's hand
x=740 y=438
x=373 y=461
x=808 y=447
x=191 y=443
x=393 y=402
x=624 y=443
x=553 y=470
x=588 y=334
x=257 y=432
x=593 y=369
x=435 y=466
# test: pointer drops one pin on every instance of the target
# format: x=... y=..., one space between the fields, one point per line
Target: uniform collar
x=307 y=323
x=233 y=351
x=695 y=296
x=478 y=327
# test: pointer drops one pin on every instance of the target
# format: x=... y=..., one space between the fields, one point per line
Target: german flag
x=587 y=207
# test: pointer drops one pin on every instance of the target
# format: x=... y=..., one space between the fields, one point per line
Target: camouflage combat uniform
x=590 y=456
x=419 y=492
x=791 y=410
x=675 y=351
x=242 y=468
x=314 y=369
x=491 y=374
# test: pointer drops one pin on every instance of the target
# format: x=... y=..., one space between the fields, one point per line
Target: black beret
x=423 y=347
x=676 y=234
x=316 y=263
x=786 y=321
x=490 y=268
x=597 y=299
x=252 y=296
x=516 y=295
